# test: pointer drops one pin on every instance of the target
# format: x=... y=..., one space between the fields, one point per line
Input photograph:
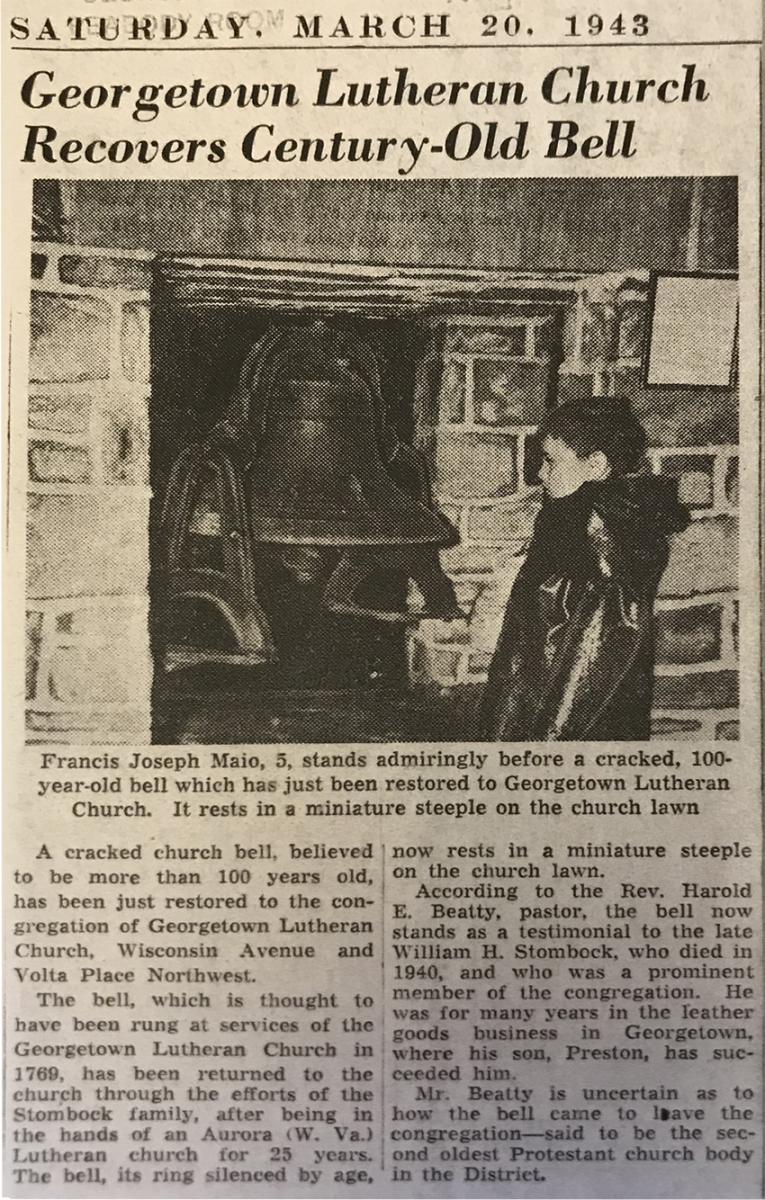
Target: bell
x=420 y=565
x=318 y=479
x=210 y=563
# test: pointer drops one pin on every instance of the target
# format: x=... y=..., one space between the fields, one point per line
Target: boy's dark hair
x=604 y=423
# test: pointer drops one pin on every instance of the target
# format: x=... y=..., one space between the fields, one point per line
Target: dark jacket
x=575 y=656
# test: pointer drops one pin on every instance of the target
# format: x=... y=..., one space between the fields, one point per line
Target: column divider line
x=382 y=1065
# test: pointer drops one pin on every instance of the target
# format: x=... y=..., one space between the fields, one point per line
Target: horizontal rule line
x=570 y=45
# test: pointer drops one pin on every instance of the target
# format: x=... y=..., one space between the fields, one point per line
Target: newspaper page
x=382 y=789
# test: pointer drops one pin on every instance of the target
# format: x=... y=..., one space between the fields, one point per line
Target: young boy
x=575 y=656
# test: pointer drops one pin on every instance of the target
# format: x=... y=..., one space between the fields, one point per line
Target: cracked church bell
x=305 y=463
x=319 y=480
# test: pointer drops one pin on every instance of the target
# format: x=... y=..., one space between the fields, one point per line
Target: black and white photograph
x=321 y=461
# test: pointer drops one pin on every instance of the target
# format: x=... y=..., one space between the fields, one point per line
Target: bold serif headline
x=601 y=120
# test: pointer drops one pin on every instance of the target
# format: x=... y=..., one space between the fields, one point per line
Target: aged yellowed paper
x=383 y=747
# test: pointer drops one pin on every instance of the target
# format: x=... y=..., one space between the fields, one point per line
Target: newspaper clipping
x=383 y=753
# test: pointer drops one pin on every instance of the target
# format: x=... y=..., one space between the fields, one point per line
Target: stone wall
x=482 y=391
x=88 y=665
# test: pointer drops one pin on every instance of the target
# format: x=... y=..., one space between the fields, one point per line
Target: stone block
x=57 y=462
x=96 y=725
x=106 y=620
x=441 y=633
x=489 y=610
x=451 y=392
x=511 y=522
x=79 y=676
x=467 y=592
x=136 y=363
x=445 y=391
x=95 y=541
x=469 y=560
x=509 y=393
x=703 y=558
x=695 y=476
x=632 y=325
x=59 y=414
x=600 y=333
x=444 y=666
x=432 y=665
x=703 y=689
x=680 y=416
x=99 y=655
x=696 y=489
x=34 y=623
x=467 y=339
x=475 y=465
x=441 y=392
x=100 y=271
x=39 y=263
x=69 y=338
x=688 y=635
x=675 y=729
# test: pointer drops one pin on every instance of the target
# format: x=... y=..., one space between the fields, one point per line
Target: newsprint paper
x=381 y=496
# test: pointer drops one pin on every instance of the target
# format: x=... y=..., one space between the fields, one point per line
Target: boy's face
x=563 y=472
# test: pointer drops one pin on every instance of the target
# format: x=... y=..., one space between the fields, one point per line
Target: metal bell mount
x=209 y=557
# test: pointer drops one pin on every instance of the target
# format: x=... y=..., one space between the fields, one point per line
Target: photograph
x=370 y=460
